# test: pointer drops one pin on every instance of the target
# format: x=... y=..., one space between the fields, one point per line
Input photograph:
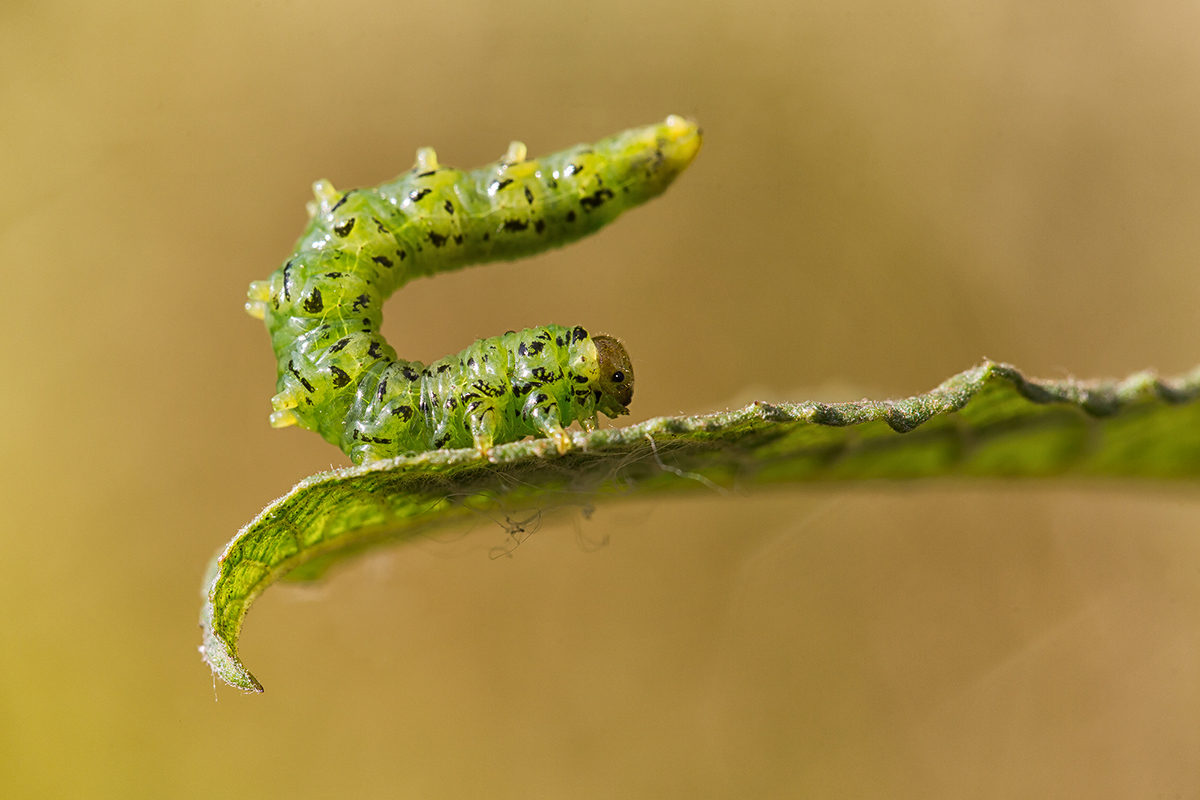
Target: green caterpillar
x=323 y=307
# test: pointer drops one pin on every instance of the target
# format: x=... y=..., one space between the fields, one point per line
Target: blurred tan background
x=888 y=192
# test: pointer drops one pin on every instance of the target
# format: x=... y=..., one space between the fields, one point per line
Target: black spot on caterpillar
x=323 y=307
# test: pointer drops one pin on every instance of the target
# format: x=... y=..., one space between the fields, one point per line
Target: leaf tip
x=225 y=665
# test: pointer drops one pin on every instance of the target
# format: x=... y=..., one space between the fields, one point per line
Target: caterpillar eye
x=618 y=377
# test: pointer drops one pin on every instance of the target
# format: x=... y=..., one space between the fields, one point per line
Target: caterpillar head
x=616 y=376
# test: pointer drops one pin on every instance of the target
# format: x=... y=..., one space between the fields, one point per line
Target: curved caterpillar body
x=323 y=307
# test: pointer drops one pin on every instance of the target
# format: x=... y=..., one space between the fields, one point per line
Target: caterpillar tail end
x=654 y=155
x=684 y=138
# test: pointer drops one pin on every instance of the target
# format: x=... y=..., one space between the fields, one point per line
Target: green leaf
x=990 y=421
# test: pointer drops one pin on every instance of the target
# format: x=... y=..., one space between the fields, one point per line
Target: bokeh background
x=888 y=192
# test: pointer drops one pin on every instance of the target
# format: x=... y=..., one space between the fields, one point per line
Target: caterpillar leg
x=562 y=441
x=484 y=446
x=482 y=425
x=544 y=417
